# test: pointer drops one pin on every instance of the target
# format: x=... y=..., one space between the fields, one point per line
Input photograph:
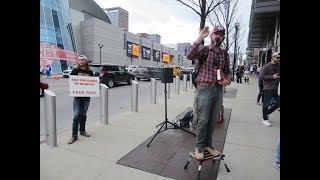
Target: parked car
x=131 y=68
x=185 y=71
x=191 y=67
x=112 y=74
x=66 y=73
x=147 y=72
x=43 y=86
x=96 y=69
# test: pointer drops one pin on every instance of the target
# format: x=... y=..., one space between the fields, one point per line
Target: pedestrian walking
x=271 y=77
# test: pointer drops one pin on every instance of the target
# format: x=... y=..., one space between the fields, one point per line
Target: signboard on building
x=165 y=57
x=146 y=53
x=156 y=55
x=135 y=50
x=84 y=86
x=129 y=48
x=132 y=49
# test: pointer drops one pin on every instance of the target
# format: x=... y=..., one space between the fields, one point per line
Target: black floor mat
x=169 y=152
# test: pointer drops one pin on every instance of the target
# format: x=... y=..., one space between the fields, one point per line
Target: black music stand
x=165 y=122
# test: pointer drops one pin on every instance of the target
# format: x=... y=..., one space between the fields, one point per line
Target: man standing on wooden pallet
x=213 y=75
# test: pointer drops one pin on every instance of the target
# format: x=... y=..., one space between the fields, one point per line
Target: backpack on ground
x=187 y=119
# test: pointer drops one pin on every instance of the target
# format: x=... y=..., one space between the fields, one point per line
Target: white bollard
x=177 y=84
x=185 y=82
x=153 y=91
x=134 y=97
x=104 y=94
x=191 y=85
x=50 y=115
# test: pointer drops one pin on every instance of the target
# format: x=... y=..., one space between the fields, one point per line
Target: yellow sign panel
x=165 y=57
x=135 y=50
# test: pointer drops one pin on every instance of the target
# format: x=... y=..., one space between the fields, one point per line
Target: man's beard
x=216 y=43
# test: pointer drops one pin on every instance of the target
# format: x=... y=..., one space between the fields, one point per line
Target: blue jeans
x=80 y=108
x=209 y=101
x=277 y=160
x=268 y=94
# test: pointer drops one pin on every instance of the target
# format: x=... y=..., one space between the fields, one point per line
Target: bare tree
x=241 y=33
x=225 y=15
x=205 y=8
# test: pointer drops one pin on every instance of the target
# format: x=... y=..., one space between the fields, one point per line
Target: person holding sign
x=80 y=104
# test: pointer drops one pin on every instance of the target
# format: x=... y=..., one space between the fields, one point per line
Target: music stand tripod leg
x=156 y=133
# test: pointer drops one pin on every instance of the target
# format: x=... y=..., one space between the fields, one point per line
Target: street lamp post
x=235 y=50
x=100 y=46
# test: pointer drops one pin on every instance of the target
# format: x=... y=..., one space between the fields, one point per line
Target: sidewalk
x=249 y=148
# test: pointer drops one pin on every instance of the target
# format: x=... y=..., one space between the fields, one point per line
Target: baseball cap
x=276 y=54
x=84 y=57
x=218 y=28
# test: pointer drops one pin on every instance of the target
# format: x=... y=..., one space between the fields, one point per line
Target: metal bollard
x=153 y=90
x=191 y=85
x=134 y=97
x=104 y=94
x=177 y=84
x=168 y=90
x=185 y=82
x=50 y=115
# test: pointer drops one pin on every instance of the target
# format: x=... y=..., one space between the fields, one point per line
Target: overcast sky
x=174 y=22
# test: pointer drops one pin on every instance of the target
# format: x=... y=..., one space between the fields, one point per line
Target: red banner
x=52 y=52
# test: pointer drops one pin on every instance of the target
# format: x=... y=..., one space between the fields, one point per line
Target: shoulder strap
x=203 y=58
x=204 y=55
x=225 y=58
x=225 y=55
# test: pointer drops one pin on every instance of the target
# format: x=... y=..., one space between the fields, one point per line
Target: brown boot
x=84 y=133
x=72 y=140
x=213 y=151
x=199 y=154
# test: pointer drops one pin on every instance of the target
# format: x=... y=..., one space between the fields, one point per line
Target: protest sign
x=84 y=86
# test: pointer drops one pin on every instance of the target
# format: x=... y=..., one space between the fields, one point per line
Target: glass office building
x=56 y=35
